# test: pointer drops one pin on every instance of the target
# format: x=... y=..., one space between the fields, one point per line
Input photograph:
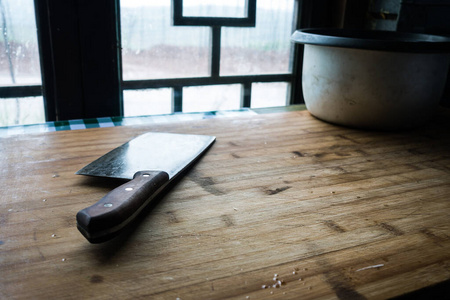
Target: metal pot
x=373 y=79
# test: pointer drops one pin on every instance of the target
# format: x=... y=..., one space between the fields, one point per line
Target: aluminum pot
x=373 y=79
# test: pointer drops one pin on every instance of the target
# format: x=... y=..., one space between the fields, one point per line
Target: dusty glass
x=147 y=102
x=214 y=8
x=153 y=48
x=264 y=49
x=19 y=54
x=14 y=111
x=269 y=94
x=211 y=98
x=19 y=62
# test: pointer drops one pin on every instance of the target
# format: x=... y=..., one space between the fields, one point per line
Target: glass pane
x=153 y=48
x=214 y=8
x=15 y=111
x=264 y=49
x=19 y=55
x=147 y=102
x=269 y=94
x=211 y=98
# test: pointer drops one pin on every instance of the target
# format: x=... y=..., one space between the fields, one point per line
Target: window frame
x=80 y=54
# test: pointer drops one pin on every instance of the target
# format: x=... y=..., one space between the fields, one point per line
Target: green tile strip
x=117 y=121
x=122 y=121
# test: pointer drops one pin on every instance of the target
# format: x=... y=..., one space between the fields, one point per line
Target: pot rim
x=373 y=40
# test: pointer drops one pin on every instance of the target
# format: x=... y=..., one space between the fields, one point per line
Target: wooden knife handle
x=103 y=220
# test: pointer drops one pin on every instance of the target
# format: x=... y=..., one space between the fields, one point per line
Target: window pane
x=15 y=111
x=153 y=48
x=264 y=49
x=211 y=98
x=147 y=102
x=269 y=94
x=214 y=8
x=19 y=55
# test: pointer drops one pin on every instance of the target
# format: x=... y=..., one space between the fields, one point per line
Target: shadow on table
x=106 y=251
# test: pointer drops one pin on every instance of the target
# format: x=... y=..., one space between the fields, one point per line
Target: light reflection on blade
x=151 y=151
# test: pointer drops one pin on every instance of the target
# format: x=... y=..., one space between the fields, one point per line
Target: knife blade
x=150 y=161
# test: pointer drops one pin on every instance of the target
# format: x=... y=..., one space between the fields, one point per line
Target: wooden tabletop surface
x=283 y=206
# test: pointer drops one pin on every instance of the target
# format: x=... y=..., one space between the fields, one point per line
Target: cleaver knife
x=150 y=161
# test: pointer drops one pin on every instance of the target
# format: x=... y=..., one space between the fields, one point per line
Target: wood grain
x=336 y=213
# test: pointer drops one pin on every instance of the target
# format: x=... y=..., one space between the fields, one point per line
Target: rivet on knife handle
x=103 y=220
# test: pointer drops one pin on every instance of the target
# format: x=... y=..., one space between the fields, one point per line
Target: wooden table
x=283 y=206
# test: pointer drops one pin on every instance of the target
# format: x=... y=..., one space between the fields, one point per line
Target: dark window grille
x=84 y=86
x=215 y=24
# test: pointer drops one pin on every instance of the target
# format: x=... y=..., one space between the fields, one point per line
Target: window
x=19 y=63
x=153 y=48
x=110 y=58
x=213 y=43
